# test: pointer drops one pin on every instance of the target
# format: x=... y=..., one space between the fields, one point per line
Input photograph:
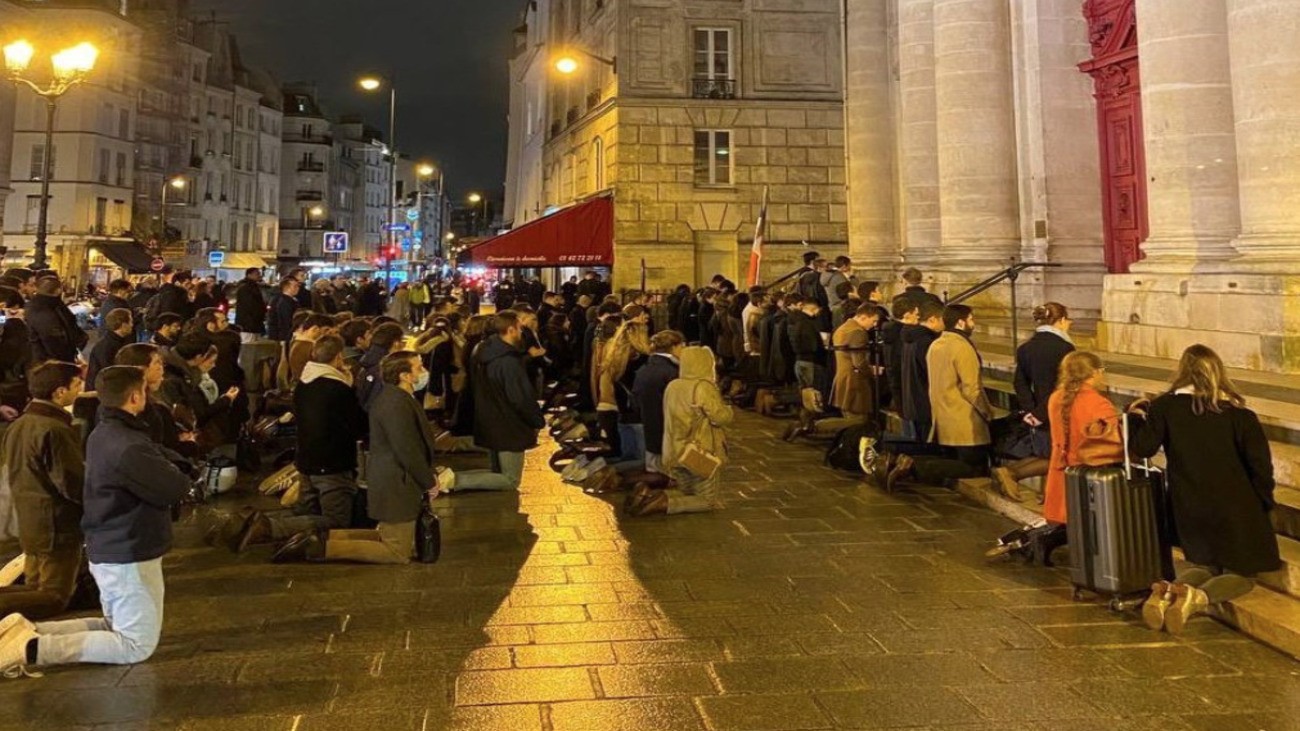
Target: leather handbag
x=696 y=459
x=1103 y=444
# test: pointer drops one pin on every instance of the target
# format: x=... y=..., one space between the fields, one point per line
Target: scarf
x=1058 y=332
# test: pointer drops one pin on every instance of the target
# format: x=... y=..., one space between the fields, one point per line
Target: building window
x=598 y=164
x=124 y=124
x=713 y=77
x=105 y=159
x=33 y=213
x=101 y=213
x=713 y=157
x=38 y=162
x=121 y=169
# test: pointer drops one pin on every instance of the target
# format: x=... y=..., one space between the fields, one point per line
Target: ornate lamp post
x=70 y=67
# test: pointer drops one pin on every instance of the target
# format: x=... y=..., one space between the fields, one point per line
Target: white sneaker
x=13 y=571
x=446 y=478
x=13 y=624
x=574 y=468
x=13 y=653
x=867 y=453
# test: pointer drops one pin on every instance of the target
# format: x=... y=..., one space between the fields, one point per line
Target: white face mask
x=421 y=381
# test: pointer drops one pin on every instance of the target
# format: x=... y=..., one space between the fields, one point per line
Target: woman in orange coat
x=1076 y=404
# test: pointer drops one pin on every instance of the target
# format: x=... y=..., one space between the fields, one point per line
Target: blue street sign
x=336 y=242
x=406 y=244
x=396 y=227
x=216 y=259
x=419 y=236
x=412 y=214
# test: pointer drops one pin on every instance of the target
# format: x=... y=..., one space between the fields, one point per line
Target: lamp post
x=313 y=212
x=179 y=184
x=372 y=84
x=70 y=67
x=567 y=61
x=476 y=199
x=425 y=172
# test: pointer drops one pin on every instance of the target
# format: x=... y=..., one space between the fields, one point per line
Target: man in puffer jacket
x=506 y=413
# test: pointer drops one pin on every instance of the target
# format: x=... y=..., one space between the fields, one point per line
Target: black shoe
x=305 y=546
x=255 y=529
x=639 y=494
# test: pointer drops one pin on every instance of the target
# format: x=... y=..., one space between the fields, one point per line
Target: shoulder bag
x=695 y=459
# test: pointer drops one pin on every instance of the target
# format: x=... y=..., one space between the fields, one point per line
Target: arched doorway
x=1112 y=31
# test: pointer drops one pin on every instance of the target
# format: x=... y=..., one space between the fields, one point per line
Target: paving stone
x=763 y=713
x=917 y=670
x=1166 y=662
x=1036 y=701
x=535 y=685
x=580 y=654
x=784 y=675
x=637 y=681
x=642 y=714
x=888 y=708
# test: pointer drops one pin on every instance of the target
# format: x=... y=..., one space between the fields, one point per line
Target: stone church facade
x=1150 y=148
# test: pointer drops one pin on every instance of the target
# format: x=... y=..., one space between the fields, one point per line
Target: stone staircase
x=1271 y=613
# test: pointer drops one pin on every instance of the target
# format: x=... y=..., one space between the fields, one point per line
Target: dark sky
x=450 y=57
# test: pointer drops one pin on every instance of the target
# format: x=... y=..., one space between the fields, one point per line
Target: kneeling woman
x=694 y=413
x=1221 y=484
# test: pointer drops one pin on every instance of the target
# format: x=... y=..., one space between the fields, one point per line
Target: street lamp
x=70 y=67
x=373 y=84
x=476 y=199
x=313 y=212
x=567 y=62
x=178 y=183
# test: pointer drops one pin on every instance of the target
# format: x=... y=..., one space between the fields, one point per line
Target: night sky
x=450 y=57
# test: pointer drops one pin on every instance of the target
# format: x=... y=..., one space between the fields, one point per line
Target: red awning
x=579 y=236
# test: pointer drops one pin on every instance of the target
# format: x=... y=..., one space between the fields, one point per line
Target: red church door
x=1112 y=31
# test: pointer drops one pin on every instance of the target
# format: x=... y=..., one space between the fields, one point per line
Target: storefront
x=559 y=246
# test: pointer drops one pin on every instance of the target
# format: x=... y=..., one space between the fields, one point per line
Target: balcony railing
x=572 y=115
x=309 y=139
x=713 y=88
x=593 y=99
x=555 y=129
x=311 y=167
x=310 y=195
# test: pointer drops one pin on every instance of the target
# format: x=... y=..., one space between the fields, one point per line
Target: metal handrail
x=1010 y=274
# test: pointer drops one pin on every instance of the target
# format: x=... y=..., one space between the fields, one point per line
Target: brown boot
x=656 y=504
x=639 y=493
x=902 y=471
x=1006 y=483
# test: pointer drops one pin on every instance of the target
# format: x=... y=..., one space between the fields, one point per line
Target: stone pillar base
x=1251 y=319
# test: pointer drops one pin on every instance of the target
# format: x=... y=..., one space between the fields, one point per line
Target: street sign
x=157 y=265
x=412 y=214
x=406 y=244
x=396 y=227
x=336 y=242
x=216 y=259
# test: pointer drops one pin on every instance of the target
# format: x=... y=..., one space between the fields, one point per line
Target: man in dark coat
x=130 y=487
x=804 y=333
x=648 y=388
x=15 y=350
x=905 y=313
x=916 y=376
x=119 y=298
x=104 y=354
x=250 y=305
x=172 y=296
x=506 y=414
x=44 y=466
x=51 y=325
x=912 y=278
x=279 y=319
x=370 y=298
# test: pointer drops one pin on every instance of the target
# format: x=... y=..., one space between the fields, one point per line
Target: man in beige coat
x=958 y=404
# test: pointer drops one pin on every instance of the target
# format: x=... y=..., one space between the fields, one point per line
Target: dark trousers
x=324 y=503
x=961 y=463
x=50 y=580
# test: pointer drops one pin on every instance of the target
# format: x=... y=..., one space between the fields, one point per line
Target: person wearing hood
x=384 y=340
x=330 y=423
x=51 y=325
x=694 y=413
x=507 y=416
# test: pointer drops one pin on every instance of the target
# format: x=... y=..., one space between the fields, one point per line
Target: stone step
x=1287 y=579
x=998 y=330
x=1286 y=517
x=1270 y=613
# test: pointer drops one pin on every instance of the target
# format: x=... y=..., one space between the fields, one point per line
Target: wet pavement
x=813 y=601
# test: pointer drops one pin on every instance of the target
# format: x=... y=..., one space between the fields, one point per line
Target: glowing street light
x=70 y=66
x=566 y=65
x=370 y=83
x=567 y=62
x=176 y=183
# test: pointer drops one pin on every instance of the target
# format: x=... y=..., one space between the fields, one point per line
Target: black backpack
x=844 y=452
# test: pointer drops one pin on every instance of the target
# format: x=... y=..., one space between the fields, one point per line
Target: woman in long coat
x=1220 y=480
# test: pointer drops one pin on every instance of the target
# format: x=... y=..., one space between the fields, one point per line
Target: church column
x=873 y=236
x=1191 y=156
x=1266 y=94
x=919 y=168
x=974 y=96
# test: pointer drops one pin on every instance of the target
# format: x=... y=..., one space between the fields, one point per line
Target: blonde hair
x=1076 y=369
x=1201 y=369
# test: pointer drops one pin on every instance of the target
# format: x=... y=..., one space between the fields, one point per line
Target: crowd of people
x=377 y=384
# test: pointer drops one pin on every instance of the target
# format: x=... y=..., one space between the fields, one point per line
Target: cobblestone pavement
x=812 y=601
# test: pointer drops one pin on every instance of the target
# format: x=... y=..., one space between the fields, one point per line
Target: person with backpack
x=131 y=485
x=43 y=463
x=1221 y=488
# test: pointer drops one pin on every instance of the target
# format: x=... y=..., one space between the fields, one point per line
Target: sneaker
x=866 y=453
x=14 y=624
x=1189 y=601
x=446 y=478
x=1006 y=483
x=13 y=653
x=902 y=471
x=574 y=469
x=1157 y=605
x=655 y=504
x=256 y=529
x=13 y=571
x=639 y=494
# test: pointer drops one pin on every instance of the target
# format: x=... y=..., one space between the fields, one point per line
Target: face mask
x=421 y=381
